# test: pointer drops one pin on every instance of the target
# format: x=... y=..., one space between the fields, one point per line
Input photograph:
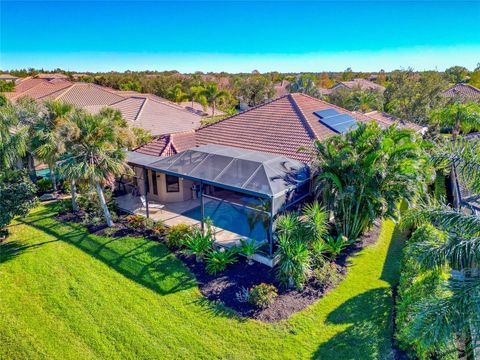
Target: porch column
x=270 y=230
x=145 y=190
x=202 y=208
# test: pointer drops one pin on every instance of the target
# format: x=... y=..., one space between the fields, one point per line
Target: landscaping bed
x=226 y=286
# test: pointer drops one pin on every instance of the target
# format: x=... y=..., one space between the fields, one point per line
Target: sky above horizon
x=239 y=36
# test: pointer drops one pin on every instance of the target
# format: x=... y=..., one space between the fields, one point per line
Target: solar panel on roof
x=326 y=113
x=340 y=123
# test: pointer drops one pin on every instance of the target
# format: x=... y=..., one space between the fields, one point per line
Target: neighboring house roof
x=198 y=109
x=281 y=88
x=86 y=94
x=8 y=77
x=146 y=111
x=52 y=76
x=362 y=84
x=167 y=145
x=152 y=115
x=463 y=91
x=387 y=120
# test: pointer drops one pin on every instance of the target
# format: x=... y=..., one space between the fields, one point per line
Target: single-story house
x=241 y=171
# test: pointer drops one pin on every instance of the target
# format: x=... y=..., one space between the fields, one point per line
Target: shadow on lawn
x=369 y=316
x=146 y=262
x=12 y=249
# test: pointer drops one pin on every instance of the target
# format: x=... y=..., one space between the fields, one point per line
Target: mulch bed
x=224 y=286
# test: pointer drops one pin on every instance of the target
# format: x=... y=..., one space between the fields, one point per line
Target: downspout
x=271 y=227
x=202 y=207
x=145 y=190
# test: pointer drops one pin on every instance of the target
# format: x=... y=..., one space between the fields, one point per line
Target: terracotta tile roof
x=167 y=145
x=198 y=109
x=27 y=83
x=52 y=76
x=86 y=94
x=157 y=117
x=8 y=77
x=362 y=84
x=463 y=91
x=384 y=119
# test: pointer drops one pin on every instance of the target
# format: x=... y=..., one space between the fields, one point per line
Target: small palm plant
x=218 y=260
x=294 y=261
x=249 y=248
x=335 y=246
x=198 y=243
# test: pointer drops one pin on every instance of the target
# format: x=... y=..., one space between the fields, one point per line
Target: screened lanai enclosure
x=240 y=191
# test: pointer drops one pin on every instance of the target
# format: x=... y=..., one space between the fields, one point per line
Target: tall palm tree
x=459 y=117
x=49 y=136
x=196 y=95
x=98 y=152
x=212 y=95
x=177 y=94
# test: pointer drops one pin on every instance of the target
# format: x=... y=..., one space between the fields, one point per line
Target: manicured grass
x=65 y=294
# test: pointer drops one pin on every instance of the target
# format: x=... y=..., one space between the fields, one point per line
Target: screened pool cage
x=273 y=182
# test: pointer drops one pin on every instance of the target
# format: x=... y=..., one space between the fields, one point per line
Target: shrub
x=243 y=295
x=63 y=206
x=157 y=228
x=249 y=248
x=336 y=245
x=198 y=243
x=177 y=234
x=218 y=260
x=89 y=203
x=135 y=222
x=44 y=185
x=109 y=231
x=294 y=261
x=326 y=276
x=262 y=295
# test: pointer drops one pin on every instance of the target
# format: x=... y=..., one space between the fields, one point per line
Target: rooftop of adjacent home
x=463 y=91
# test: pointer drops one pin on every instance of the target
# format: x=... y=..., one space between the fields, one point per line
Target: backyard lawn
x=65 y=294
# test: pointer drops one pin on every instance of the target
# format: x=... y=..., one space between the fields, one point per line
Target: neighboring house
x=8 y=77
x=462 y=92
x=463 y=197
x=56 y=76
x=147 y=111
x=361 y=84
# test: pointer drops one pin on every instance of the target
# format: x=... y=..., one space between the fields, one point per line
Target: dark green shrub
x=44 y=185
x=326 y=276
x=63 y=206
x=262 y=295
x=218 y=260
x=177 y=234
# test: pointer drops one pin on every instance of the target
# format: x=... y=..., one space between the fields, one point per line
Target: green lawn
x=65 y=294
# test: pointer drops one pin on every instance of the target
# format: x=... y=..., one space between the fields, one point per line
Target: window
x=154 y=183
x=172 y=183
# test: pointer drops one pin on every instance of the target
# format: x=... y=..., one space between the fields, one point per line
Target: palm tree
x=176 y=94
x=365 y=101
x=212 y=95
x=50 y=135
x=98 y=152
x=196 y=95
x=304 y=85
x=446 y=239
x=459 y=117
x=366 y=172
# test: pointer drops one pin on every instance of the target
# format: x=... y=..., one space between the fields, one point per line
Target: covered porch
x=240 y=191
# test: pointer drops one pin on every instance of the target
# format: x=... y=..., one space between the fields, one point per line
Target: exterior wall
x=163 y=196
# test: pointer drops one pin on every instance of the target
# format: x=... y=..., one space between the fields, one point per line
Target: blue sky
x=239 y=35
